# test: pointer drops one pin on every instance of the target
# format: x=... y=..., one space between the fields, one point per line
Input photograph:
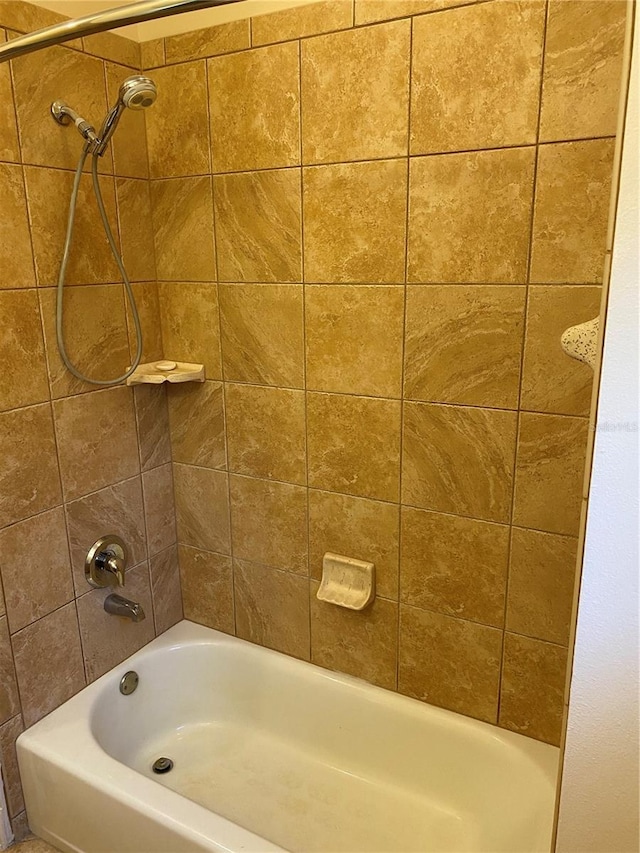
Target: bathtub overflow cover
x=129 y=682
x=162 y=765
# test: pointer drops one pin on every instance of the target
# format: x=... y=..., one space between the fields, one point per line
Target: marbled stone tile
x=49 y=663
x=549 y=472
x=32 y=590
x=354 y=222
x=469 y=216
x=117 y=509
x=165 y=589
x=90 y=259
x=34 y=845
x=113 y=46
x=354 y=339
x=9 y=733
x=95 y=336
x=532 y=690
x=196 y=416
x=582 y=69
x=183 y=229
x=207 y=588
x=97 y=441
x=254 y=108
x=152 y=53
x=16 y=263
x=209 y=41
x=258 y=226
x=272 y=608
x=459 y=460
x=29 y=475
x=551 y=380
x=147 y=301
x=348 y=114
x=21 y=347
x=355 y=527
x=269 y=523
x=129 y=144
x=178 y=142
x=455 y=566
x=573 y=188
x=322 y=17
x=354 y=445
x=191 y=325
x=369 y=11
x=464 y=344
x=159 y=509
x=136 y=228
x=9 y=148
x=476 y=77
x=263 y=333
x=202 y=508
x=9 y=698
x=25 y=17
x=542 y=576
x=450 y=662
x=152 y=416
x=266 y=432
x=107 y=640
x=362 y=643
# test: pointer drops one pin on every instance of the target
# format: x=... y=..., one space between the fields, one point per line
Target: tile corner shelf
x=157 y=372
x=581 y=342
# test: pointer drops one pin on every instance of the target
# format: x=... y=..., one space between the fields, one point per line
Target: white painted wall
x=599 y=799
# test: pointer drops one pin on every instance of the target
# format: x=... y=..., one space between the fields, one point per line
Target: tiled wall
x=75 y=463
x=374 y=238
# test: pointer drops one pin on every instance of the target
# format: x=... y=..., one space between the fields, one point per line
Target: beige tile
x=355 y=527
x=254 y=107
x=16 y=15
x=269 y=523
x=49 y=662
x=549 y=472
x=354 y=339
x=207 y=588
x=190 y=325
x=367 y=113
x=165 y=589
x=573 y=186
x=464 y=344
x=16 y=264
x=455 y=566
x=152 y=53
x=202 y=508
x=272 y=608
x=147 y=301
x=183 y=227
x=22 y=347
x=129 y=144
x=95 y=336
x=582 y=69
x=196 y=416
x=9 y=698
x=532 y=690
x=459 y=460
x=542 y=576
x=29 y=475
x=551 y=380
x=10 y=770
x=178 y=142
x=310 y=20
x=97 y=441
x=262 y=333
x=469 y=216
x=362 y=643
x=115 y=47
x=209 y=41
x=9 y=148
x=450 y=662
x=476 y=77
x=31 y=590
x=354 y=226
x=369 y=11
x=258 y=226
x=159 y=509
x=266 y=432
x=107 y=640
x=136 y=228
x=117 y=509
x=152 y=417
x=354 y=445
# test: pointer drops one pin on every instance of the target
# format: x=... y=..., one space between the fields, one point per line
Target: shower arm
x=111 y=19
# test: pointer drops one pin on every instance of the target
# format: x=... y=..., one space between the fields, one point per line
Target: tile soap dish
x=157 y=372
x=347 y=582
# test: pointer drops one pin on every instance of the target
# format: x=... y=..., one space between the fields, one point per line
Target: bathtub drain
x=162 y=765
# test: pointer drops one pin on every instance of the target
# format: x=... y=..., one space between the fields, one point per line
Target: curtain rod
x=134 y=13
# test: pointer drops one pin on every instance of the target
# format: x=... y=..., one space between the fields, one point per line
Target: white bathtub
x=273 y=754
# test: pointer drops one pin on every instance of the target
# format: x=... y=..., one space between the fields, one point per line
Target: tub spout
x=119 y=606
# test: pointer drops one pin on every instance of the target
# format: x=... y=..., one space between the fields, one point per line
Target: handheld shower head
x=138 y=92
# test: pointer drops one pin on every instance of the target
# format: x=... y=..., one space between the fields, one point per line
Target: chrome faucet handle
x=106 y=562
